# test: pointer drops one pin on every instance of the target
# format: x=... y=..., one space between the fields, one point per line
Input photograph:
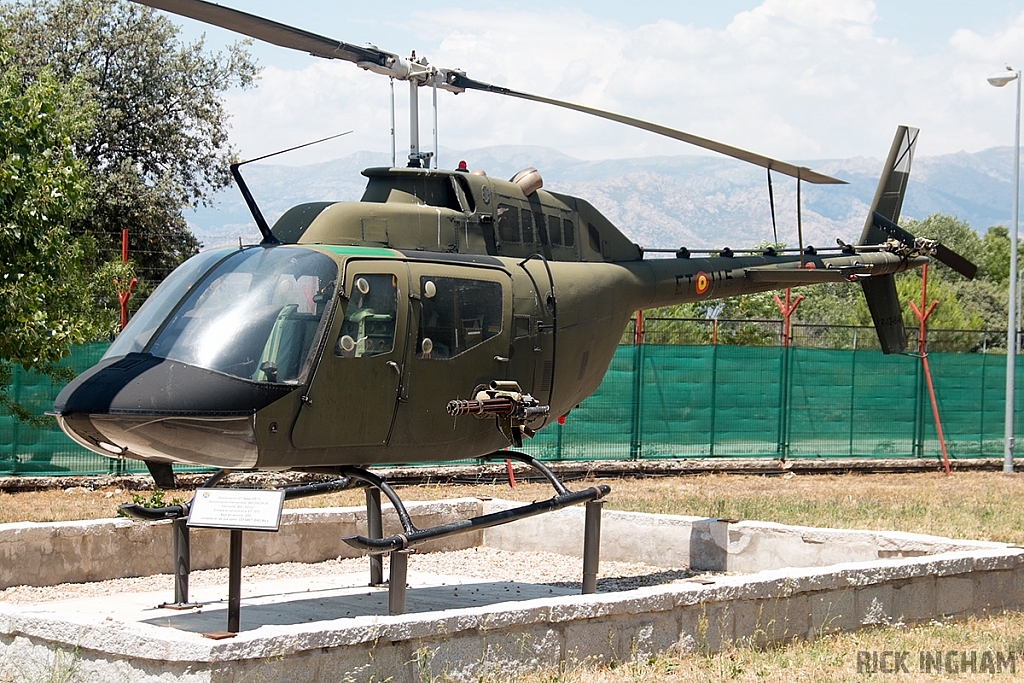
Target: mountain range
x=662 y=201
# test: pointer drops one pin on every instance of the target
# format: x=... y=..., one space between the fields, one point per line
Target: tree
x=159 y=142
x=49 y=293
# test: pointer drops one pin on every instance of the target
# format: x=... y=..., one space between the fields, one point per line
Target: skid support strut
x=399 y=545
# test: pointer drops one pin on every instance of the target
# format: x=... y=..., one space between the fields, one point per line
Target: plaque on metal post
x=242 y=509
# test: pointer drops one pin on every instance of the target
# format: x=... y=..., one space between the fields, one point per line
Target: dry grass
x=976 y=505
x=829 y=659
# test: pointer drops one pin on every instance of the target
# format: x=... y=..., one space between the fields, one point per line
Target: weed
x=155 y=499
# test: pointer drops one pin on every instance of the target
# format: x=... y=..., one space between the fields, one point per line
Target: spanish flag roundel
x=702 y=281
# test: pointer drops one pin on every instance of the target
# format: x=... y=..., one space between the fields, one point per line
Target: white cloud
x=795 y=79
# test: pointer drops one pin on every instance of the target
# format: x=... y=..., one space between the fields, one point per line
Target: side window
x=555 y=232
x=369 y=325
x=456 y=315
x=508 y=223
x=527 y=227
x=570 y=236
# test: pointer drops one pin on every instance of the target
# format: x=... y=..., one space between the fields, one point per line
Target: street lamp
x=999 y=80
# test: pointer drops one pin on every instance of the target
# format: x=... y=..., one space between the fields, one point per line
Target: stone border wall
x=772 y=606
x=47 y=554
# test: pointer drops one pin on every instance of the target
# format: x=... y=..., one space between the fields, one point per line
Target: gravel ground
x=478 y=562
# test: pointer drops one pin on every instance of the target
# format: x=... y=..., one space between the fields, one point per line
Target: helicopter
x=446 y=315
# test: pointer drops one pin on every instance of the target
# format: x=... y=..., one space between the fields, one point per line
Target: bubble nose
x=166 y=411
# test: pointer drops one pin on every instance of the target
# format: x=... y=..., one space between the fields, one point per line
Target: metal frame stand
x=397 y=581
x=182 y=565
x=375 y=529
x=399 y=546
x=412 y=537
x=235 y=581
x=591 y=545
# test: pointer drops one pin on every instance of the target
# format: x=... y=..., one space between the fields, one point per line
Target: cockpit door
x=353 y=392
x=459 y=338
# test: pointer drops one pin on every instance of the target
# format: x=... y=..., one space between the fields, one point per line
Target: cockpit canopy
x=252 y=314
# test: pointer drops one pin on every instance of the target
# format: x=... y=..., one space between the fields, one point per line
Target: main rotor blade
x=270 y=31
x=800 y=172
x=390 y=64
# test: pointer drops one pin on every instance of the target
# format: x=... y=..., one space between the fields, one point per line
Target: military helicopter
x=446 y=315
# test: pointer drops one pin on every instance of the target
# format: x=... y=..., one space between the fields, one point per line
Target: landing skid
x=398 y=545
x=412 y=537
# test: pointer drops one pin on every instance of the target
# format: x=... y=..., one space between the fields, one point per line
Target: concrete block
x=954 y=595
x=993 y=560
x=993 y=591
x=749 y=620
x=709 y=546
x=705 y=628
x=789 y=618
x=914 y=600
x=832 y=611
x=874 y=605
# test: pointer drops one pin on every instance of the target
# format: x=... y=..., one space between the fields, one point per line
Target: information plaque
x=242 y=509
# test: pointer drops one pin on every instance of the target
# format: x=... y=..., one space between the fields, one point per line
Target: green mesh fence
x=741 y=401
x=675 y=401
x=25 y=449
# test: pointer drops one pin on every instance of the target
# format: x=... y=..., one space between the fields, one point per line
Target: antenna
x=254 y=209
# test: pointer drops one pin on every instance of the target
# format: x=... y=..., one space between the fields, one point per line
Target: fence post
x=635 y=439
x=714 y=397
x=783 y=408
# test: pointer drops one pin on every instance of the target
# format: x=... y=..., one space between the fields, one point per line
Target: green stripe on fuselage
x=355 y=251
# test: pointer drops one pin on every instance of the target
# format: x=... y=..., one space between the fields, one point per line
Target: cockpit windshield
x=255 y=315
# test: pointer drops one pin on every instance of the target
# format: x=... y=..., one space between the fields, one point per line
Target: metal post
x=434 y=84
x=374 y=529
x=235 y=580
x=414 y=122
x=1011 y=327
x=636 y=440
x=396 y=582
x=591 y=546
x=393 y=152
x=182 y=560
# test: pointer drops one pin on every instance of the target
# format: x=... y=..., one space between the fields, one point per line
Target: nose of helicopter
x=156 y=409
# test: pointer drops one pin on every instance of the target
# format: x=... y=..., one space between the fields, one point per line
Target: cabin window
x=467 y=193
x=431 y=190
x=569 y=232
x=369 y=326
x=508 y=223
x=456 y=315
x=554 y=230
x=527 y=227
x=595 y=238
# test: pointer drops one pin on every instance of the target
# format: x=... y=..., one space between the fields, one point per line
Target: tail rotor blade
x=939 y=252
x=955 y=261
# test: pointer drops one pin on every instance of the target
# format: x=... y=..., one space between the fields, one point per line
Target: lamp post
x=999 y=80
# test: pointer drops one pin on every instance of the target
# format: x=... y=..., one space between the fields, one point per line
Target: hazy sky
x=793 y=79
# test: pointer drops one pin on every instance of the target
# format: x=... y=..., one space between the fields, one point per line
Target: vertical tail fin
x=880 y=292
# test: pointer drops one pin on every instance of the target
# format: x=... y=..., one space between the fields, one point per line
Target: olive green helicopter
x=444 y=316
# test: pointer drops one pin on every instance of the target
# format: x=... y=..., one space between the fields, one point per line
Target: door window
x=456 y=315
x=369 y=325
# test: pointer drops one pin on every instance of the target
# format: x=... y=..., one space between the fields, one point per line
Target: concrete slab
x=296 y=601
